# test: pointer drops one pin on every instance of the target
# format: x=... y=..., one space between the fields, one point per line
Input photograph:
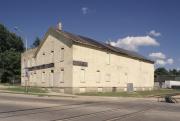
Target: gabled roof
x=91 y=42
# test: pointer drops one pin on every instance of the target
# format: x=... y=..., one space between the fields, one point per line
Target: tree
x=36 y=42
x=11 y=47
x=9 y=40
x=173 y=72
x=161 y=71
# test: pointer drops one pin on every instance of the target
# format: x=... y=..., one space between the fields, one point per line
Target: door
x=130 y=87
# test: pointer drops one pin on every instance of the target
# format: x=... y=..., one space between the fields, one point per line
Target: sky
x=149 y=27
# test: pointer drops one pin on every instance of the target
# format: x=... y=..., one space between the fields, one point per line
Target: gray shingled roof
x=91 y=42
x=98 y=44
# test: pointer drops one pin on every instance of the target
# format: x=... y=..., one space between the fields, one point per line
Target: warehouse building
x=75 y=64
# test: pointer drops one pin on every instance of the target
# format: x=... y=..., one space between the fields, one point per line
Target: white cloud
x=84 y=10
x=133 y=43
x=178 y=69
x=154 y=33
x=170 y=61
x=160 y=62
x=157 y=55
x=160 y=59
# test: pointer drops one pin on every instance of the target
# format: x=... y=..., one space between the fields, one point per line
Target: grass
x=21 y=89
x=159 y=92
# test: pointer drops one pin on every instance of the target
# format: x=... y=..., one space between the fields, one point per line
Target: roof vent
x=59 y=26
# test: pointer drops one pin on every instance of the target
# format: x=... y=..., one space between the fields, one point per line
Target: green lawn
x=23 y=90
x=159 y=92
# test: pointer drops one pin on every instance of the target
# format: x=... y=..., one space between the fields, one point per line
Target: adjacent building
x=75 y=64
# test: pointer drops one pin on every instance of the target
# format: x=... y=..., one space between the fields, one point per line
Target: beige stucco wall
x=50 y=52
x=122 y=70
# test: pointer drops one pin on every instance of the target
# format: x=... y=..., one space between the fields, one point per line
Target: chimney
x=59 y=26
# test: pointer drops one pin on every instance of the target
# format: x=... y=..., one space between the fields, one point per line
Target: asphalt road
x=31 y=108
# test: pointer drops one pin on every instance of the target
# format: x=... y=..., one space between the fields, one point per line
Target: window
x=62 y=54
x=28 y=63
x=108 y=55
x=108 y=77
x=51 y=78
x=42 y=77
x=52 y=56
x=43 y=58
x=62 y=75
x=32 y=61
x=98 y=75
x=82 y=76
x=24 y=64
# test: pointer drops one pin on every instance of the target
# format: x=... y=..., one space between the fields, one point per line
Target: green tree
x=11 y=47
x=174 y=72
x=36 y=42
x=161 y=71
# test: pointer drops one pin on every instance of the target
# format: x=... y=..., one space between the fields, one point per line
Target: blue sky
x=150 y=27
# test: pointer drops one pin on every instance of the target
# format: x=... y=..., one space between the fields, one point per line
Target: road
x=15 y=107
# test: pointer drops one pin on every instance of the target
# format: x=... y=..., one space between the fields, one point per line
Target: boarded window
x=108 y=77
x=43 y=77
x=43 y=58
x=51 y=80
x=52 y=56
x=108 y=58
x=30 y=77
x=62 y=54
x=98 y=75
x=24 y=64
x=28 y=63
x=82 y=90
x=100 y=89
x=82 y=76
x=62 y=76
